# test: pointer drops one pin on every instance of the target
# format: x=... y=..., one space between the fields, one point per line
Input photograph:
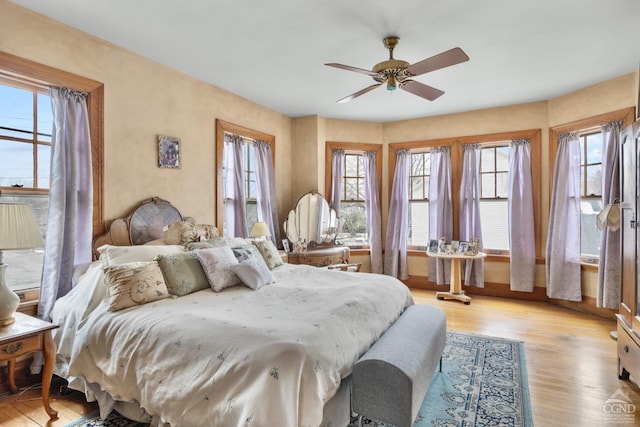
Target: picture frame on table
x=285 y=245
x=462 y=247
x=472 y=249
x=433 y=246
x=169 y=154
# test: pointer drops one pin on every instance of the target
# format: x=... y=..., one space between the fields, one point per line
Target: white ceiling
x=272 y=51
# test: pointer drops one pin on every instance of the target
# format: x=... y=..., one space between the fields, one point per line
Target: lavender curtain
x=521 y=231
x=70 y=228
x=337 y=172
x=440 y=210
x=470 y=226
x=563 y=239
x=265 y=182
x=235 y=214
x=609 y=280
x=395 y=254
x=372 y=209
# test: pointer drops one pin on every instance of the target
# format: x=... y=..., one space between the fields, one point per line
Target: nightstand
x=26 y=335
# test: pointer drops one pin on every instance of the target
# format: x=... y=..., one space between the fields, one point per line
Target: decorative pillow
x=217 y=263
x=214 y=242
x=114 y=255
x=269 y=252
x=236 y=242
x=183 y=232
x=248 y=252
x=254 y=274
x=182 y=273
x=134 y=283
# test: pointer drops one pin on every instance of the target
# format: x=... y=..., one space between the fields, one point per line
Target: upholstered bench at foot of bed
x=390 y=380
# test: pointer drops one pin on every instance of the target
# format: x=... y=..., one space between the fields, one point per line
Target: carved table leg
x=49 y=353
x=11 y=366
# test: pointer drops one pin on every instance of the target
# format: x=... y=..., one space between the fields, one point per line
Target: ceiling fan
x=397 y=73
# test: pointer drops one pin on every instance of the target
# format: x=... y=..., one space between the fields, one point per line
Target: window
x=34 y=177
x=494 y=197
x=494 y=178
x=353 y=217
x=249 y=171
x=418 y=227
x=590 y=191
x=26 y=121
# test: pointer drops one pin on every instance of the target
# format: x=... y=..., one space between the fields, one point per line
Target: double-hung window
x=418 y=226
x=494 y=197
x=25 y=153
x=590 y=192
x=353 y=216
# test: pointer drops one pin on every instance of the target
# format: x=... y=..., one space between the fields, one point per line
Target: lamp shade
x=18 y=227
x=259 y=229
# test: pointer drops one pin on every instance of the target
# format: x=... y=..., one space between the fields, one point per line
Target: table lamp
x=18 y=230
x=259 y=230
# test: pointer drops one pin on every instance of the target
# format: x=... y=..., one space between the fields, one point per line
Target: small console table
x=455 y=289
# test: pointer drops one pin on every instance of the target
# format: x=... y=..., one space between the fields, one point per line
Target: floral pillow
x=254 y=274
x=134 y=283
x=248 y=252
x=114 y=255
x=182 y=273
x=217 y=263
x=269 y=253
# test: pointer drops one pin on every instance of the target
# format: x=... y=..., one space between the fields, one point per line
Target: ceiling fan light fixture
x=392 y=83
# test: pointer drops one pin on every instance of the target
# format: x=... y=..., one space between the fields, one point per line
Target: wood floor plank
x=571 y=362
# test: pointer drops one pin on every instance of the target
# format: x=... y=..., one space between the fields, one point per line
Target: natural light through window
x=353 y=216
x=591 y=192
x=494 y=198
x=419 y=199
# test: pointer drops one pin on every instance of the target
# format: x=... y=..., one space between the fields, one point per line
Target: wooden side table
x=455 y=288
x=26 y=335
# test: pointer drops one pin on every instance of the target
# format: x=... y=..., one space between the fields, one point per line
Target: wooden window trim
x=456 y=144
x=222 y=127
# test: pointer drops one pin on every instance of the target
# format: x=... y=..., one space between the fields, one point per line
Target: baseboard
x=587 y=305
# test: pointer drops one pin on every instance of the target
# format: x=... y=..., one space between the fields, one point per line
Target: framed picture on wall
x=169 y=152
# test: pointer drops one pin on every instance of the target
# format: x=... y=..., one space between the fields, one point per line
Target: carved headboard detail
x=146 y=222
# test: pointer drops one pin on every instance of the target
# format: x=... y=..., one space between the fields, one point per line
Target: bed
x=278 y=355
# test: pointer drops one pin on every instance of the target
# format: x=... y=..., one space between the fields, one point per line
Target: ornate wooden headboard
x=146 y=222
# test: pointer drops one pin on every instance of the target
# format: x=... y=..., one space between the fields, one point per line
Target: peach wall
x=144 y=99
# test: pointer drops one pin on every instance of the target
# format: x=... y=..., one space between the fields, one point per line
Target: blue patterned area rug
x=483 y=383
x=113 y=420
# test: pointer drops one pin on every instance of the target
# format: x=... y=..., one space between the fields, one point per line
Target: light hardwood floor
x=571 y=362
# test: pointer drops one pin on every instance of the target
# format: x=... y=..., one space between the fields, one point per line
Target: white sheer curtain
x=609 y=280
x=470 y=226
x=266 y=186
x=235 y=214
x=337 y=171
x=395 y=254
x=372 y=209
x=69 y=223
x=521 y=230
x=440 y=210
x=563 y=239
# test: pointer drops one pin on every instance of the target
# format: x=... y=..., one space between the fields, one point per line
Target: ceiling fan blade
x=360 y=92
x=422 y=90
x=441 y=60
x=350 y=68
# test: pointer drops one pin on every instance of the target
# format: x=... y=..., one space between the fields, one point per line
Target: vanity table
x=314 y=222
x=320 y=257
x=455 y=289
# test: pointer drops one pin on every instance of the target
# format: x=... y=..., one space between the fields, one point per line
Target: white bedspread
x=271 y=357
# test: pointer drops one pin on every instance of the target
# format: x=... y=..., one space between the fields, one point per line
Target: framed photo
x=168 y=152
x=285 y=245
x=433 y=245
x=462 y=247
x=472 y=249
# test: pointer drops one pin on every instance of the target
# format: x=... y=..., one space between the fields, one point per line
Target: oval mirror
x=312 y=220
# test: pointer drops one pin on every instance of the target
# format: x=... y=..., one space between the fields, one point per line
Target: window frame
x=456 y=144
x=625 y=115
x=13 y=66
x=222 y=127
x=352 y=148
